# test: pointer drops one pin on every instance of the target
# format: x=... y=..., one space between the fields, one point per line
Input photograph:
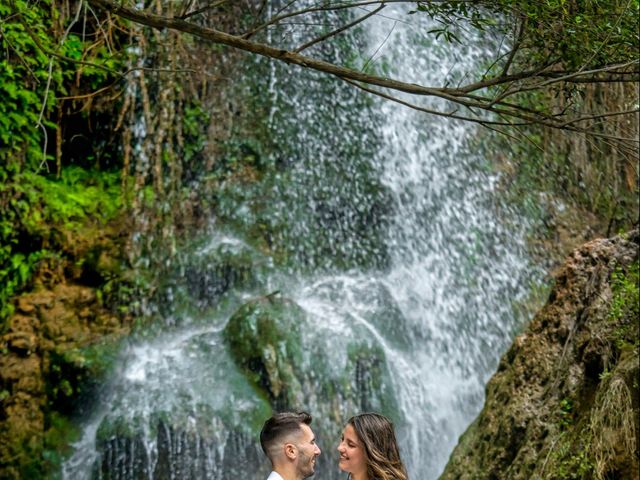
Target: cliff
x=56 y=347
x=564 y=401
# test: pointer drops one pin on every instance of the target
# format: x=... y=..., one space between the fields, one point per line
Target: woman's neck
x=361 y=476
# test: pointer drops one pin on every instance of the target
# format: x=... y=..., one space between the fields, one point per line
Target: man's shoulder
x=274 y=476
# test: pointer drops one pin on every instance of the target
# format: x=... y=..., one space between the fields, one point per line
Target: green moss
x=624 y=310
x=59 y=435
x=264 y=340
x=43 y=213
x=127 y=428
x=373 y=390
x=40 y=456
x=75 y=373
x=566 y=413
x=571 y=461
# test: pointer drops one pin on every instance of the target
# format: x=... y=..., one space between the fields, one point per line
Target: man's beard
x=307 y=462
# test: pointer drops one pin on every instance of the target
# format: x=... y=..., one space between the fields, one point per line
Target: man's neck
x=287 y=473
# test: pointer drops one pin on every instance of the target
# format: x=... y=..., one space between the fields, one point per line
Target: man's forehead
x=302 y=434
x=307 y=433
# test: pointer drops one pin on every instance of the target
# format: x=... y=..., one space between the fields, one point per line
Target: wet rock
x=264 y=339
x=563 y=403
x=214 y=270
x=176 y=451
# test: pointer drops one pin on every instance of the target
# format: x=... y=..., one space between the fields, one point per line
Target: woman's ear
x=290 y=451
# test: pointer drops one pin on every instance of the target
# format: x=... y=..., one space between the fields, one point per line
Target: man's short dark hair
x=280 y=426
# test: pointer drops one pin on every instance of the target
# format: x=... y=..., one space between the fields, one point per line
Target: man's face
x=308 y=452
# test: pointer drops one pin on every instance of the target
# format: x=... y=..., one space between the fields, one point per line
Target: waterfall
x=385 y=228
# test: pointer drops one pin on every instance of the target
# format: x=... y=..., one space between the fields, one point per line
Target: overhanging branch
x=466 y=96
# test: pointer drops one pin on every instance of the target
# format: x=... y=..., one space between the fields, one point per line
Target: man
x=289 y=443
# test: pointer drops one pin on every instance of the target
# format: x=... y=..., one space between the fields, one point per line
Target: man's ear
x=290 y=451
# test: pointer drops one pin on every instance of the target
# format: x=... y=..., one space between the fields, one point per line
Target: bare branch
x=210 y=6
x=547 y=121
x=600 y=116
x=339 y=30
x=453 y=114
x=331 y=7
x=216 y=36
x=364 y=67
x=516 y=47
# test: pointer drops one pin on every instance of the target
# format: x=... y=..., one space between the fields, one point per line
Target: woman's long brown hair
x=378 y=439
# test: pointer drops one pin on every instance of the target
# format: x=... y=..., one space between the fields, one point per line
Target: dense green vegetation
x=60 y=190
x=47 y=191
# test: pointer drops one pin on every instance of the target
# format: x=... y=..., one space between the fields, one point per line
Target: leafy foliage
x=571 y=33
x=25 y=80
x=38 y=209
x=579 y=34
x=37 y=77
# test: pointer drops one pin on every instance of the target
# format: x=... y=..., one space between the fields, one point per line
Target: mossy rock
x=223 y=265
x=171 y=450
x=369 y=375
x=563 y=403
x=169 y=425
x=384 y=314
x=331 y=376
x=264 y=340
x=77 y=372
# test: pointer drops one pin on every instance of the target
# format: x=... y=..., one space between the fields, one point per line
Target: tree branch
x=322 y=38
x=216 y=36
x=331 y=7
x=198 y=11
x=515 y=83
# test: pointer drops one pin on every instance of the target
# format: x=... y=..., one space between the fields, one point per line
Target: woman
x=369 y=450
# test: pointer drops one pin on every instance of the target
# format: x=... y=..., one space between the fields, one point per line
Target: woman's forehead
x=350 y=433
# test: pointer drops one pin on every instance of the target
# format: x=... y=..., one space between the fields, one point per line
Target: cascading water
x=385 y=231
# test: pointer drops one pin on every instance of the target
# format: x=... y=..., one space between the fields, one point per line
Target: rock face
x=565 y=400
x=179 y=453
x=45 y=371
x=264 y=337
x=55 y=347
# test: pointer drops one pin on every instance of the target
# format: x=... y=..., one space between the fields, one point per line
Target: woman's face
x=352 y=455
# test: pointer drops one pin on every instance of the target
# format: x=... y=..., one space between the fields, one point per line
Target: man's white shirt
x=274 y=476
